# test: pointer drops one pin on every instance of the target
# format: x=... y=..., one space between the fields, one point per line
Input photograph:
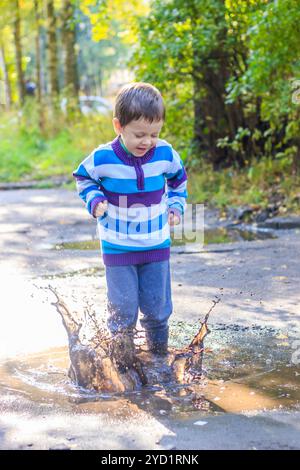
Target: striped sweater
x=140 y=192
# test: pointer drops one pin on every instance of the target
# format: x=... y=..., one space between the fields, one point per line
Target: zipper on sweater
x=139 y=173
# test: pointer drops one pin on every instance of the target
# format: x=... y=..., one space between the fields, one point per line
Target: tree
x=114 y=27
x=183 y=49
x=37 y=16
x=199 y=53
x=52 y=50
x=4 y=67
x=272 y=69
x=18 y=49
x=117 y=19
x=69 y=41
x=41 y=112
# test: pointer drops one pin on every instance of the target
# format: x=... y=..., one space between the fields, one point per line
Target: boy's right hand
x=100 y=208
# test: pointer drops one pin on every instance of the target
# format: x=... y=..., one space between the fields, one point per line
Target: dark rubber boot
x=161 y=349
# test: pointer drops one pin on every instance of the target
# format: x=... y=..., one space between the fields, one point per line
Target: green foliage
x=255 y=43
x=272 y=65
x=235 y=57
x=31 y=155
x=260 y=184
x=163 y=56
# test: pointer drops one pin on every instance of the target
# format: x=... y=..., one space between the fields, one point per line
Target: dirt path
x=258 y=283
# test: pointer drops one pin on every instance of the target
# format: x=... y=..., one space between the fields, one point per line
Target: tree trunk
x=18 y=49
x=210 y=116
x=69 y=40
x=210 y=74
x=52 y=51
x=38 y=65
x=214 y=119
x=7 y=85
x=295 y=141
x=38 y=51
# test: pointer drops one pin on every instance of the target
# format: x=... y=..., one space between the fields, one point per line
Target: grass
x=27 y=154
x=267 y=181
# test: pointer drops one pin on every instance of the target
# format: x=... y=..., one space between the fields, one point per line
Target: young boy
x=135 y=186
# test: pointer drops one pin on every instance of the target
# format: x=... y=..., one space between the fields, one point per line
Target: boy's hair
x=139 y=100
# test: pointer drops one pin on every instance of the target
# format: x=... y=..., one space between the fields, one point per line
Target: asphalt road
x=257 y=283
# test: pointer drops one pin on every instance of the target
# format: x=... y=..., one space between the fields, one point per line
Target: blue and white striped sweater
x=140 y=192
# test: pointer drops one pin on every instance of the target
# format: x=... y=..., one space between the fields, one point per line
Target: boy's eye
x=140 y=136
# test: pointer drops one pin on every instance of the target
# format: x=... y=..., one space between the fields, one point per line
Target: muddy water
x=241 y=232
x=248 y=368
x=245 y=369
x=217 y=235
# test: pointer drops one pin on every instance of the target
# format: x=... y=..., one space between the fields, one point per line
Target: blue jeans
x=143 y=286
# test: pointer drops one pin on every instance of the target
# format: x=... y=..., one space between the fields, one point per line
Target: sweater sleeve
x=177 y=185
x=88 y=186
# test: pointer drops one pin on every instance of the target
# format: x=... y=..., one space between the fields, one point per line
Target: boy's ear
x=117 y=125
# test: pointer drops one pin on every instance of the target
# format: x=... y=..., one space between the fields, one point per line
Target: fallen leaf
x=281 y=336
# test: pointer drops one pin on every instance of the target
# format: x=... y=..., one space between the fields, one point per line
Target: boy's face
x=139 y=135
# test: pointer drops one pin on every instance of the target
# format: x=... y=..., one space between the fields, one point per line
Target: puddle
x=82 y=245
x=227 y=235
x=88 y=272
x=216 y=235
x=246 y=369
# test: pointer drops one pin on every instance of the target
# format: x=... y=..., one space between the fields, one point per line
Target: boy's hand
x=173 y=219
x=100 y=208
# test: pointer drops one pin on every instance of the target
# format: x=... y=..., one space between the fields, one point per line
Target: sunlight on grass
x=265 y=182
x=27 y=154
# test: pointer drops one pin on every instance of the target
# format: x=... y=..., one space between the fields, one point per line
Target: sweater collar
x=123 y=145
x=129 y=158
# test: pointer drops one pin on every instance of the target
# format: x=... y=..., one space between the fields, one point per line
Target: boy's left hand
x=173 y=219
